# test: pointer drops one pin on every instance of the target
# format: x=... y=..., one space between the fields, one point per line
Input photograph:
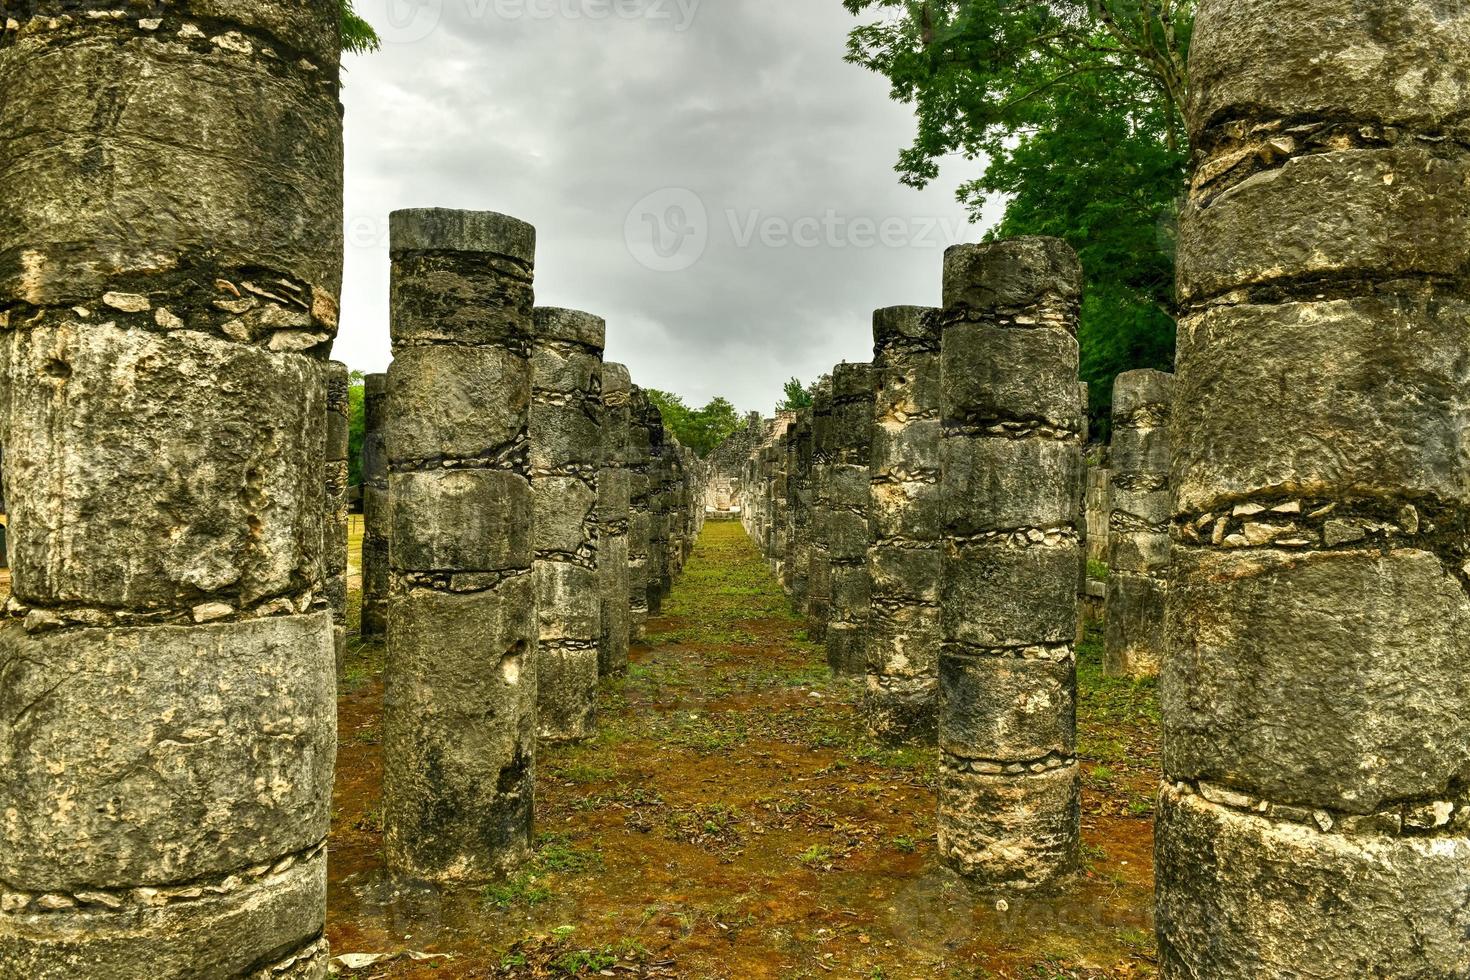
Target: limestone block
x=1007 y=708
x=910 y=574
x=1018 y=832
x=999 y=595
x=1243 y=897
x=459 y=706
x=1135 y=640
x=1326 y=679
x=1016 y=273
x=1320 y=59
x=1016 y=374
x=219 y=933
x=1322 y=398
x=112 y=500
x=157 y=755
x=468 y=403
x=1392 y=212
x=460 y=520
x=997 y=484
x=248 y=148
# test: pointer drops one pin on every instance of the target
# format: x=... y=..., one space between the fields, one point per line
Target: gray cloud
x=570 y=121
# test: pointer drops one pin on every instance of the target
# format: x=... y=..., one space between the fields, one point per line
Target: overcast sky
x=708 y=175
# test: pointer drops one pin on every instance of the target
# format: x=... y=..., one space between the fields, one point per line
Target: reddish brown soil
x=732 y=820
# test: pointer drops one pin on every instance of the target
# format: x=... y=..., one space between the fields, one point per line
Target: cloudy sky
x=708 y=175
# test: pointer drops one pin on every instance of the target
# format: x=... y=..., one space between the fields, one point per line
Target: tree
x=356 y=426
x=797 y=396
x=700 y=429
x=358 y=36
x=1077 y=107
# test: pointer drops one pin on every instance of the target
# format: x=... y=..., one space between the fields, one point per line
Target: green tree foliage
x=700 y=429
x=356 y=427
x=358 y=36
x=796 y=396
x=1076 y=107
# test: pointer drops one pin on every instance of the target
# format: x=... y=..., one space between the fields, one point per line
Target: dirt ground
x=732 y=820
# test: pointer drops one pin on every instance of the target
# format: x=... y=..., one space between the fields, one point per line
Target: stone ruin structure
x=566 y=457
x=375 y=516
x=165 y=334
x=1138 y=524
x=904 y=558
x=1011 y=460
x=614 y=504
x=460 y=687
x=846 y=489
x=724 y=494
x=1314 y=818
x=640 y=518
x=335 y=515
x=1285 y=530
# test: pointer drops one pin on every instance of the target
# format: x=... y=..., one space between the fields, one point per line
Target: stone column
x=1315 y=819
x=1138 y=527
x=614 y=483
x=170 y=257
x=334 y=516
x=566 y=454
x=904 y=513
x=459 y=698
x=640 y=512
x=800 y=485
x=658 y=509
x=819 y=571
x=1011 y=459
x=780 y=485
x=375 y=515
x=848 y=489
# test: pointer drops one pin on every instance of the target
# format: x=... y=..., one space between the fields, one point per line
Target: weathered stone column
x=640 y=512
x=658 y=509
x=819 y=569
x=375 y=515
x=1011 y=459
x=780 y=487
x=800 y=485
x=459 y=698
x=614 y=487
x=1315 y=819
x=1138 y=527
x=905 y=514
x=170 y=257
x=566 y=454
x=848 y=490
x=334 y=515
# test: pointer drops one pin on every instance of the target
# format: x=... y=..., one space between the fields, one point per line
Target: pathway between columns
x=732 y=820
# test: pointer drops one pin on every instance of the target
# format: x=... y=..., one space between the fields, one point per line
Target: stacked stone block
x=335 y=516
x=1011 y=459
x=375 y=515
x=566 y=455
x=640 y=514
x=614 y=488
x=460 y=686
x=1314 y=820
x=168 y=296
x=1138 y=527
x=799 y=486
x=819 y=569
x=659 y=480
x=905 y=559
x=848 y=488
